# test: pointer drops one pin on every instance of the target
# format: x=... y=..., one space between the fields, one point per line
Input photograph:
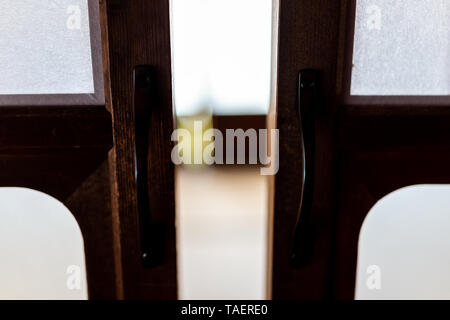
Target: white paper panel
x=41 y=248
x=45 y=47
x=401 y=48
x=404 y=246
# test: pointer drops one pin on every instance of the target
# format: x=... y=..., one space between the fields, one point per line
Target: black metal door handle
x=303 y=237
x=144 y=95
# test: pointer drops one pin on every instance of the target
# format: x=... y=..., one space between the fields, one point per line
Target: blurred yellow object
x=191 y=124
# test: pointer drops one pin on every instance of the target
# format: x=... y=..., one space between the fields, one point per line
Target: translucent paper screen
x=45 y=47
x=401 y=47
x=41 y=248
x=403 y=246
x=221 y=56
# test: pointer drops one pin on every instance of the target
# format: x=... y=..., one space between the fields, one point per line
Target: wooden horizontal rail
x=393 y=128
x=41 y=128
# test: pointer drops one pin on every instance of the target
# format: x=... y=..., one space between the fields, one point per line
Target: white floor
x=222 y=233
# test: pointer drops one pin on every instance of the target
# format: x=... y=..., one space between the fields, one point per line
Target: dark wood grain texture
x=47 y=128
x=91 y=205
x=308 y=38
x=139 y=34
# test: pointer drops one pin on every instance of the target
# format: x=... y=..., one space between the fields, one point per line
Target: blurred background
x=222 y=55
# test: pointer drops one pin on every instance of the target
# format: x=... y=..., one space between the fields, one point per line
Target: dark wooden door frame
x=308 y=38
x=366 y=148
x=383 y=143
x=138 y=33
x=83 y=154
x=60 y=149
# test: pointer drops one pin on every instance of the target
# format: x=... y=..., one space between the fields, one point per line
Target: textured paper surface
x=43 y=48
x=401 y=48
x=41 y=248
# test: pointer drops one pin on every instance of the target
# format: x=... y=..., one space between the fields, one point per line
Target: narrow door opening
x=223 y=62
